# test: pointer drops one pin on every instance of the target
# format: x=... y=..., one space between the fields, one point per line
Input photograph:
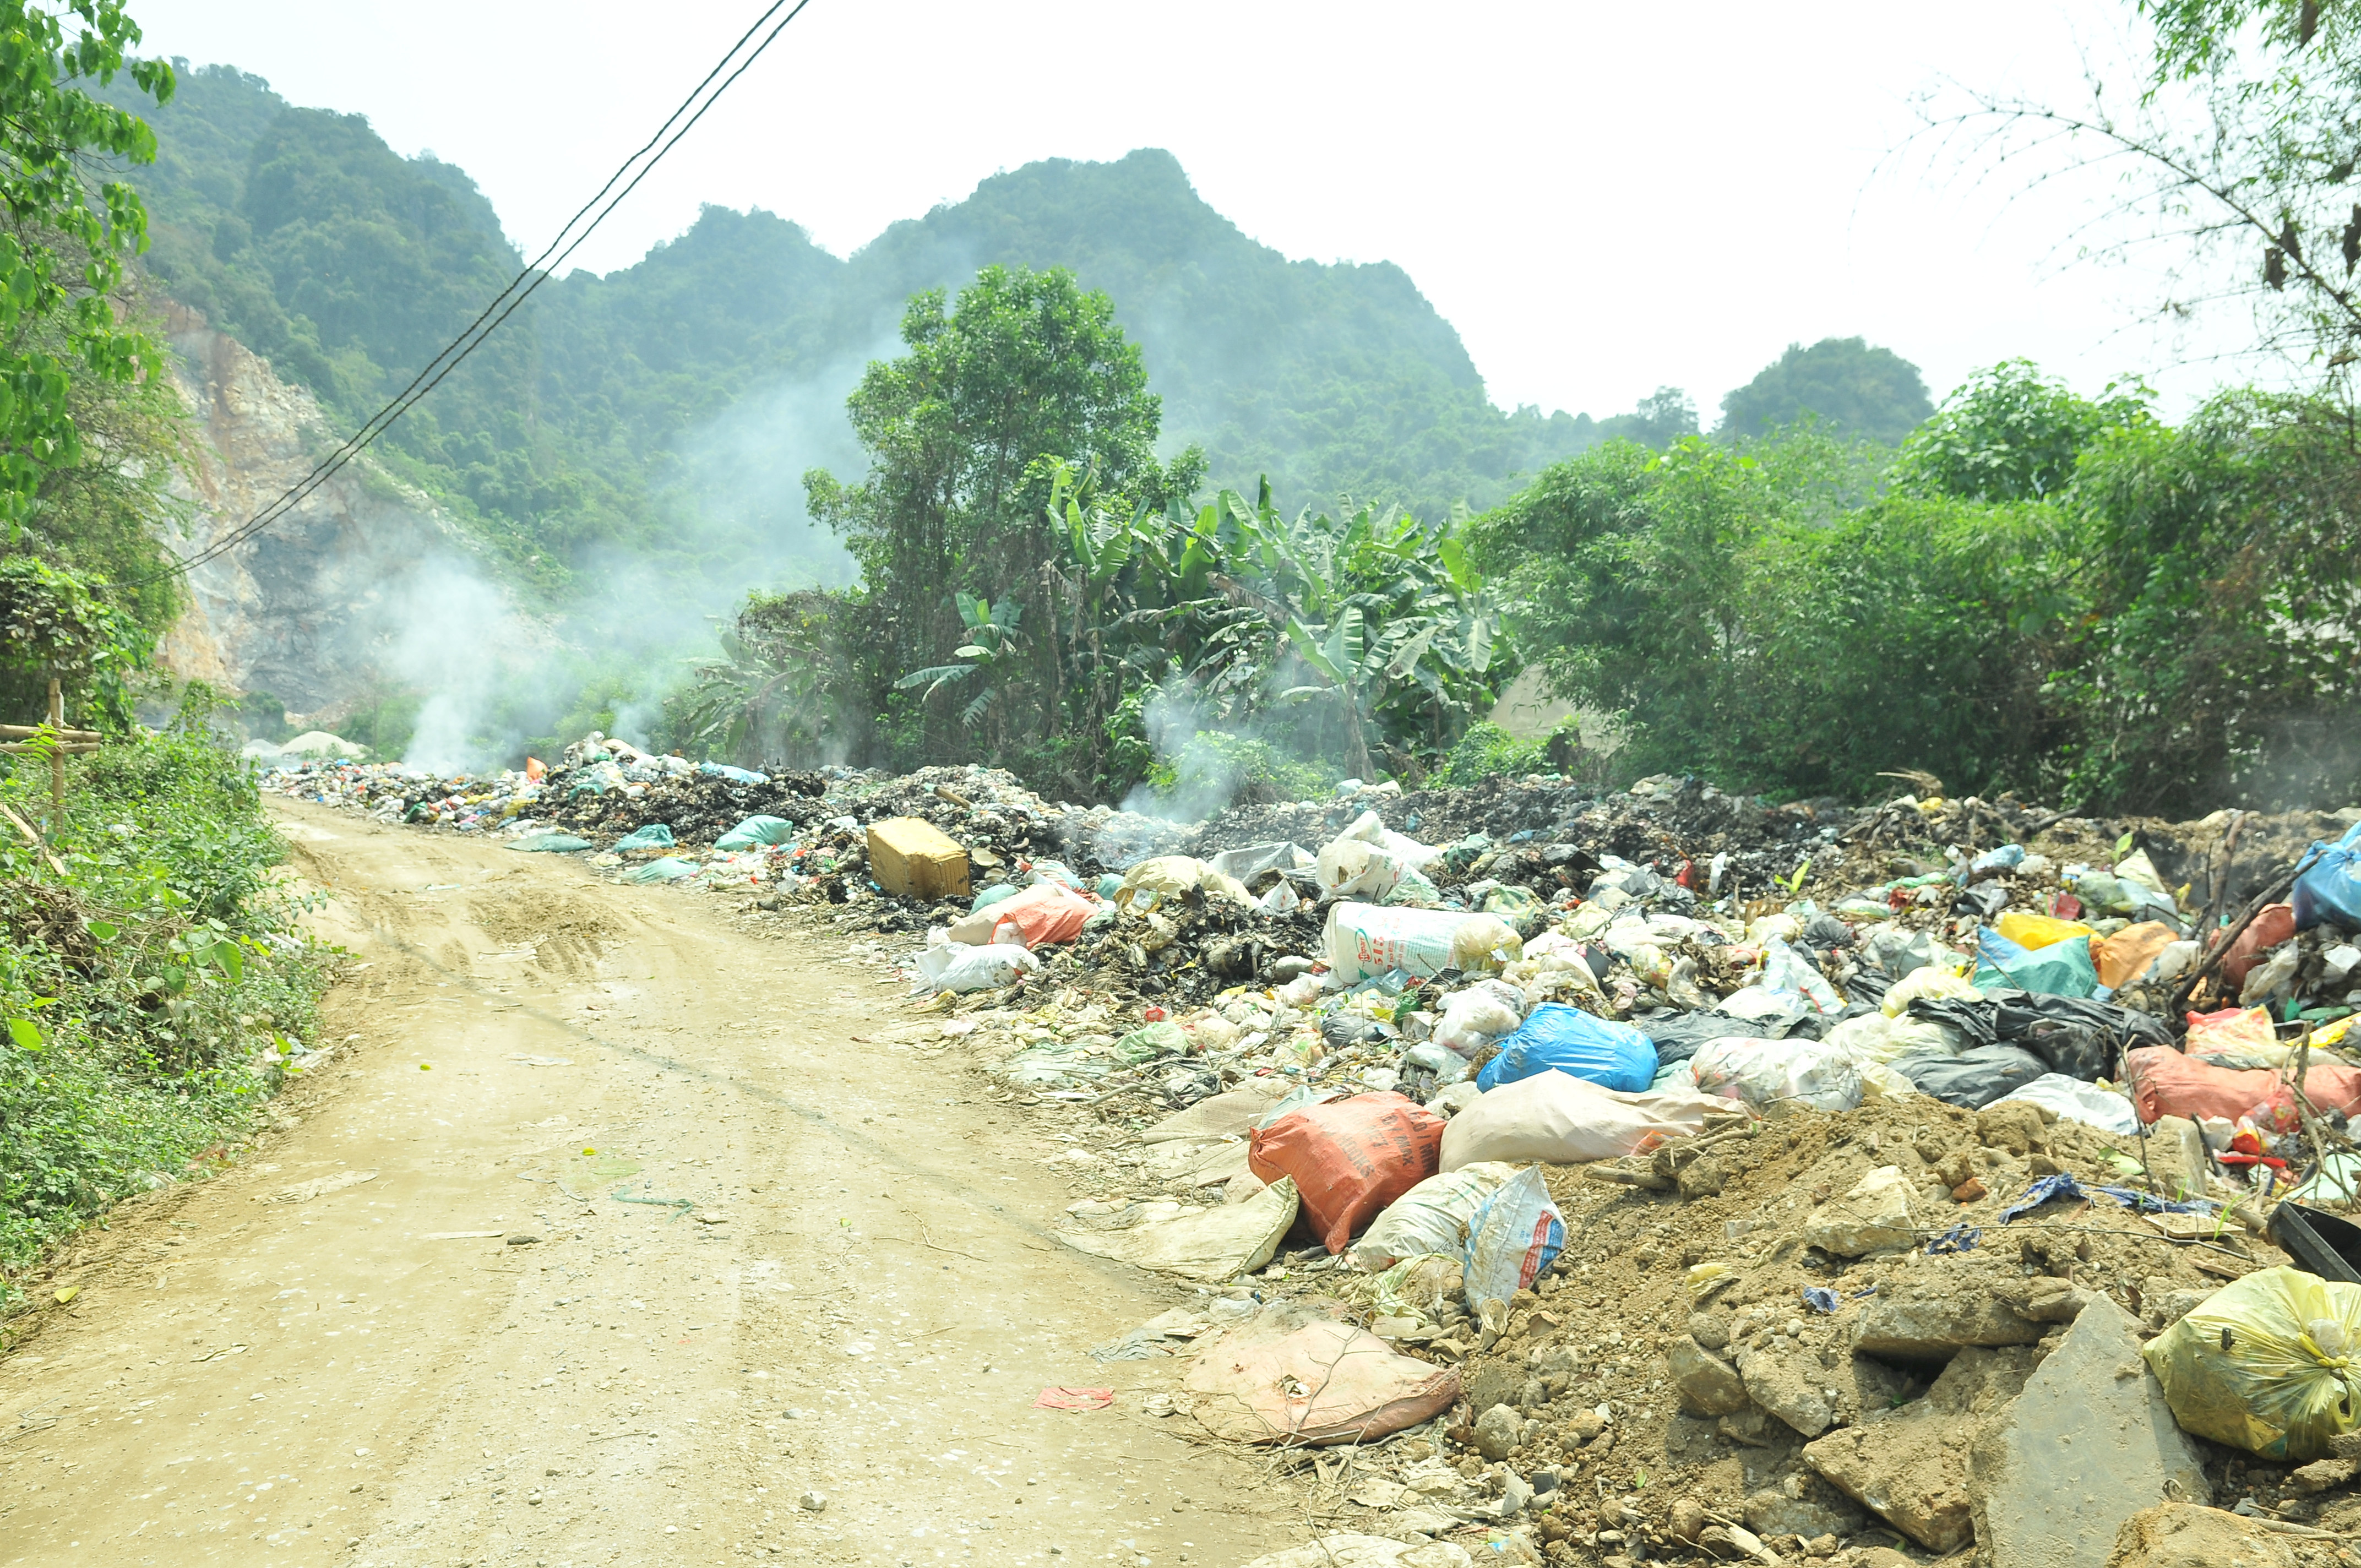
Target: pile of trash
x=1654 y=1175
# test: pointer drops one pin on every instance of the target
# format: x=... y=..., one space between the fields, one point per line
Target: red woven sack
x=2165 y=1083
x=1350 y=1158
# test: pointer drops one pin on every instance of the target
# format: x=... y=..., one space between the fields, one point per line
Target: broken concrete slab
x=1939 y=1312
x=2090 y=1443
x=2184 y=1535
x=1871 y=1217
x=1802 y=1506
x=1910 y=1465
x=1789 y=1383
x=1704 y=1384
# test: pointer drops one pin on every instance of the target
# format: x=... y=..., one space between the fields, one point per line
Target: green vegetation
x=151 y=988
x=2042 y=593
x=1488 y=751
x=153 y=993
x=1036 y=591
x=62 y=257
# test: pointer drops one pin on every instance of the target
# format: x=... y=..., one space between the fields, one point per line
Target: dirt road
x=346 y=1350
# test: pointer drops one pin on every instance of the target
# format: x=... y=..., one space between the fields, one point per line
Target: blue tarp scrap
x=1958 y=1238
x=1819 y=1299
x=2063 y=1185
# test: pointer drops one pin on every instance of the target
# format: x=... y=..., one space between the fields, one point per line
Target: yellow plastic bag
x=2267 y=1365
x=2029 y=930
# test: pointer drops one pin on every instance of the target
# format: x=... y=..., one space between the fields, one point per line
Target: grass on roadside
x=153 y=993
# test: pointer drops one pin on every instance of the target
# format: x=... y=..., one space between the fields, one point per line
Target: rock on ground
x=1911 y=1464
x=1874 y=1215
x=1707 y=1385
x=1934 y=1318
x=2089 y=1443
x=2182 y=1535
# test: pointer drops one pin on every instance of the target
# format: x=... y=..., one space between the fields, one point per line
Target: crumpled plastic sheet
x=1819 y=1299
x=1958 y=1238
x=2063 y=1185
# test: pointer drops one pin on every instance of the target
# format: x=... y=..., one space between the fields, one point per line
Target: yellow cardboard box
x=914 y=859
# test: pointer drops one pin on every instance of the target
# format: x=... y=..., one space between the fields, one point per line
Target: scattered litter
x=1073 y=1399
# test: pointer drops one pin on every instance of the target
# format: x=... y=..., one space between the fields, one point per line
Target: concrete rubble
x=1856 y=1206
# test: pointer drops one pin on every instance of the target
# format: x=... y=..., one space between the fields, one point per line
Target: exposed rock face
x=333 y=599
x=2088 y=1444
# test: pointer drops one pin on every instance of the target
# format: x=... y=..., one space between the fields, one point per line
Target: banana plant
x=992 y=648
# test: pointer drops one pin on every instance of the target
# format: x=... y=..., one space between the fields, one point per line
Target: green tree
x=1871 y=393
x=2224 y=559
x=2239 y=148
x=62 y=250
x=1027 y=367
x=2010 y=433
x=1664 y=416
x=1757 y=615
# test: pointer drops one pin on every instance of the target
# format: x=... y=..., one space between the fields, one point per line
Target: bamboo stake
x=57 y=761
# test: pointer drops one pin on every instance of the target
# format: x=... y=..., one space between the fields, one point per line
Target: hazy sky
x=1601 y=198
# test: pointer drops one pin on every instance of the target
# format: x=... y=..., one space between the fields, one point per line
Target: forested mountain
x=669 y=408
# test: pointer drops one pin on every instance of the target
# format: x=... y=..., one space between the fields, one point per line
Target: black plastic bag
x=2077 y=1036
x=1677 y=1036
x=1976 y=1021
x=1972 y=1079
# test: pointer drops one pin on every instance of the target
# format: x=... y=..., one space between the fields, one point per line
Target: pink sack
x=1042 y=915
x=1326 y=1382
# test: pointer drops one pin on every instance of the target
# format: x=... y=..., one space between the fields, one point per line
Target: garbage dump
x=1661 y=1175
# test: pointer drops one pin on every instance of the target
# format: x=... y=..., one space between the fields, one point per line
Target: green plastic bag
x=999 y=892
x=2061 y=969
x=757 y=831
x=655 y=836
x=671 y=868
x=1163 y=1040
x=2267 y=1365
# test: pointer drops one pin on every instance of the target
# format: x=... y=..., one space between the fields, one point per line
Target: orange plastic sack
x=2275 y=925
x=1043 y=915
x=2125 y=956
x=535 y=769
x=1350 y=1158
x=2165 y=1083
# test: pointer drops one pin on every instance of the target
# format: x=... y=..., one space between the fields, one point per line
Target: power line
x=519 y=290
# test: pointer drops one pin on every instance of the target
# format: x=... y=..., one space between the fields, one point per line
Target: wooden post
x=57 y=762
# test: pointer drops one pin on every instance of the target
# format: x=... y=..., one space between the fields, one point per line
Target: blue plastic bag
x=1597 y=1050
x=655 y=836
x=735 y=775
x=1995 y=950
x=755 y=832
x=1513 y=1237
x=2331 y=889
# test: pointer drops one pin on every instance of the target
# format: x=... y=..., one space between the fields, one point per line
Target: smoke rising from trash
x=488 y=673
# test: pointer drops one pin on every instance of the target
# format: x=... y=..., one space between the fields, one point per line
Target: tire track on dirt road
x=333 y=1353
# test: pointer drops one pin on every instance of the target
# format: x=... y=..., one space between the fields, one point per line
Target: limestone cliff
x=357 y=589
